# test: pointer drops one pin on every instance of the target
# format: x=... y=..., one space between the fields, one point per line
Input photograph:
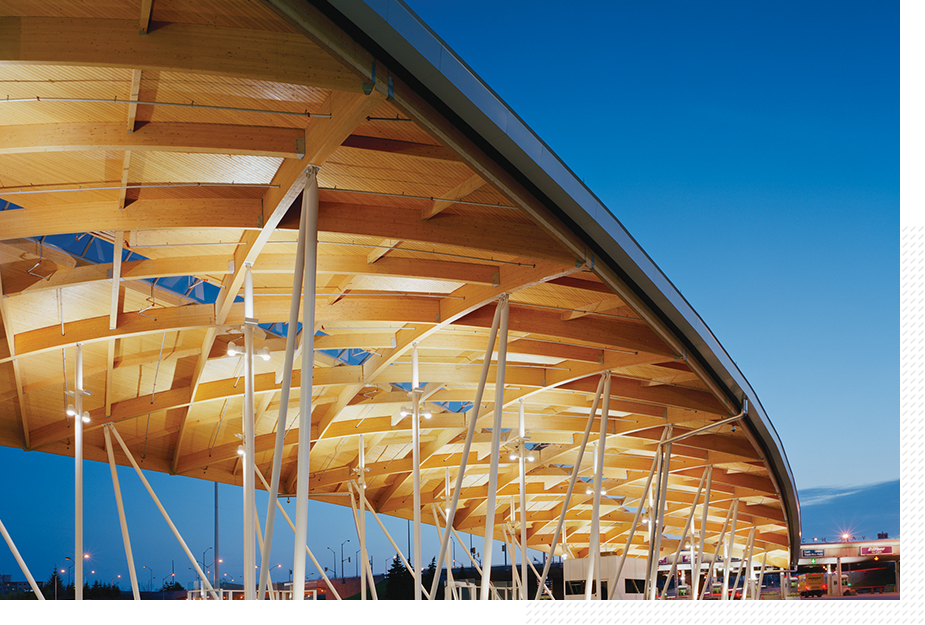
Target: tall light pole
x=151 y=581
x=342 y=559
x=204 y=568
x=334 y=553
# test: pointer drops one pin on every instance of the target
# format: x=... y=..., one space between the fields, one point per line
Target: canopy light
x=235 y=350
x=240 y=450
x=407 y=412
x=71 y=411
x=590 y=491
x=85 y=417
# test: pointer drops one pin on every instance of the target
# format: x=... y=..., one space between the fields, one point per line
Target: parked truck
x=812 y=584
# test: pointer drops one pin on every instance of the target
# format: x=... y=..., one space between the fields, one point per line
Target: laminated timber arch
x=434 y=201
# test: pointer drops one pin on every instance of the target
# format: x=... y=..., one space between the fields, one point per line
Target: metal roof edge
x=419 y=51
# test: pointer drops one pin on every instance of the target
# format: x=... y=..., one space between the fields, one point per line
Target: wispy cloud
x=824 y=494
x=856 y=509
x=815 y=496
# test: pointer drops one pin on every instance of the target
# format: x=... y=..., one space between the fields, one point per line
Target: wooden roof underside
x=427 y=268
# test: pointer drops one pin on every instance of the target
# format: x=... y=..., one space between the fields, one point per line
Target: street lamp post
x=342 y=560
x=204 y=567
x=151 y=580
x=333 y=553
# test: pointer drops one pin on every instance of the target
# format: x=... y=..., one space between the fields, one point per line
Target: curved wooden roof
x=427 y=216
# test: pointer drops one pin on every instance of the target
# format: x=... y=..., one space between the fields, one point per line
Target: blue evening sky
x=752 y=149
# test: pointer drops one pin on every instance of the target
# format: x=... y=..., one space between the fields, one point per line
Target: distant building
x=7 y=585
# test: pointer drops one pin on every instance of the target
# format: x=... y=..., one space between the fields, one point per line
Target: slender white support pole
x=746 y=564
x=307 y=550
x=361 y=520
x=571 y=486
x=21 y=563
x=366 y=572
x=157 y=502
x=612 y=584
x=523 y=502
x=651 y=516
x=684 y=535
x=394 y=546
x=437 y=524
x=282 y=415
x=79 y=477
x=661 y=502
x=473 y=417
x=757 y=594
x=495 y=449
x=472 y=560
x=310 y=207
x=533 y=568
x=250 y=581
x=517 y=585
x=594 y=544
x=698 y=561
x=268 y=586
x=727 y=563
x=708 y=580
x=125 y=538
x=416 y=392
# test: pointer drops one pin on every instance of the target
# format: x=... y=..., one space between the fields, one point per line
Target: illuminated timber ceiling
x=420 y=232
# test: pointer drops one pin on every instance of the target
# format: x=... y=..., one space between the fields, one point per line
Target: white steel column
x=661 y=502
x=532 y=568
x=745 y=564
x=78 y=478
x=437 y=524
x=366 y=572
x=310 y=207
x=282 y=415
x=594 y=544
x=157 y=502
x=708 y=579
x=475 y=564
x=571 y=486
x=684 y=535
x=250 y=582
x=125 y=538
x=473 y=419
x=495 y=449
x=523 y=504
x=612 y=583
x=307 y=550
x=517 y=585
x=21 y=562
x=361 y=521
x=398 y=552
x=701 y=544
x=416 y=393
x=757 y=594
x=727 y=561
